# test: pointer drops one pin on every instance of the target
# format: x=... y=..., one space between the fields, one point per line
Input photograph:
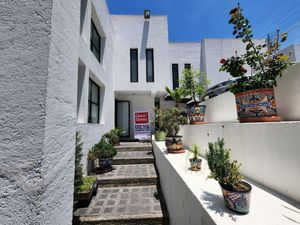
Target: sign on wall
x=142 y=130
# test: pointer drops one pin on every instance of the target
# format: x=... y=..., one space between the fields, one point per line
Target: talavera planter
x=238 y=201
x=257 y=106
x=174 y=144
x=196 y=114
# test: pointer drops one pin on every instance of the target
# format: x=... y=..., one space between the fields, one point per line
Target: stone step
x=133 y=157
x=123 y=205
x=133 y=146
x=128 y=175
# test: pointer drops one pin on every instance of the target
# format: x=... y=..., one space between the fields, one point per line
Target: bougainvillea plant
x=264 y=59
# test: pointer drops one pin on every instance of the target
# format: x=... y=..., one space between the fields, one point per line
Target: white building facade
x=72 y=66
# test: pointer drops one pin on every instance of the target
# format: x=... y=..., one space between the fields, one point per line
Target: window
x=149 y=65
x=175 y=76
x=94 y=99
x=95 y=41
x=187 y=66
x=134 y=65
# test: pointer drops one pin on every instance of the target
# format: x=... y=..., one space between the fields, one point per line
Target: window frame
x=175 y=84
x=132 y=50
x=92 y=44
x=147 y=77
x=91 y=102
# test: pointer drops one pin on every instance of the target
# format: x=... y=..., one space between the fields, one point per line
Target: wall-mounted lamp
x=147 y=14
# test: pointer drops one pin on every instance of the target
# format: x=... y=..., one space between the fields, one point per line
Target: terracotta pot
x=195 y=164
x=238 y=201
x=174 y=144
x=256 y=106
x=196 y=114
x=160 y=135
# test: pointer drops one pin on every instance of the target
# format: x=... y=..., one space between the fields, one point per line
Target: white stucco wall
x=293 y=51
x=101 y=73
x=268 y=152
x=186 y=52
x=38 y=110
x=213 y=50
x=135 y=32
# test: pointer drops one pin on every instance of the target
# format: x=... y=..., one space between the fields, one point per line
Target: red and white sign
x=142 y=129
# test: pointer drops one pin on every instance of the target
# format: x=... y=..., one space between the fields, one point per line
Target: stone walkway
x=127 y=195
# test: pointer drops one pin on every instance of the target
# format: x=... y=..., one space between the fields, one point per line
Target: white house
x=72 y=66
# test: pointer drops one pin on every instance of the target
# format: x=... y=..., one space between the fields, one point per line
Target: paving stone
x=128 y=175
x=134 y=146
x=133 y=157
x=125 y=205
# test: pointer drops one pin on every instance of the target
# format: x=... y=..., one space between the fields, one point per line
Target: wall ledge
x=193 y=199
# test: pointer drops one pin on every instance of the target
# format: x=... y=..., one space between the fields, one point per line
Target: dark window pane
x=95 y=41
x=187 y=66
x=149 y=65
x=133 y=65
x=175 y=76
x=94 y=102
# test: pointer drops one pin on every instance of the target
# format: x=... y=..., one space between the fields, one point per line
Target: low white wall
x=269 y=152
x=192 y=199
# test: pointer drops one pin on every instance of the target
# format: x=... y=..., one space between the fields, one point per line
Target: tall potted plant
x=194 y=85
x=105 y=153
x=236 y=192
x=255 y=99
x=160 y=130
x=113 y=136
x=172 y=119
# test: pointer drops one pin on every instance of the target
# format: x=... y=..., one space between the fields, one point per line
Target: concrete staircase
x=128 y=195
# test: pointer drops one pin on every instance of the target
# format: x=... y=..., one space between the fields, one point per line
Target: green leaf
x=283 y=39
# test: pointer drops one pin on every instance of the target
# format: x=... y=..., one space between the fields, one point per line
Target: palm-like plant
x=176 y=95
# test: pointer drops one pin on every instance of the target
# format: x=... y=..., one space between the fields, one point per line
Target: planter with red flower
x=255 y=99
x=194 y=85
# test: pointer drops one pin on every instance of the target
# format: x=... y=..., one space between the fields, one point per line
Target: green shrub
x=87 y=184
x=172 y=119
x=104 y=150
x=222 y=169
x=113 y=136
x=78 y=176
x=195 y=151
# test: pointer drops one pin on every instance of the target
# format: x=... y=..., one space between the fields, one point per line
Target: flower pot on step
x=237 y=200
x=174 y=144
x=196 y=114
x=257 y=106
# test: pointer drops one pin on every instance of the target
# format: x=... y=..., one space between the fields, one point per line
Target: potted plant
x=236 y=192
x=176 y=95
x=160 y=131
x=105 y=153
x=172 y=119
x=195 y=161
x=255 y=99
x=194 y=85
x=84 y=187
x=113 y=136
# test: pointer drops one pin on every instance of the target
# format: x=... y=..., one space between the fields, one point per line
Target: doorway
x=123 y=117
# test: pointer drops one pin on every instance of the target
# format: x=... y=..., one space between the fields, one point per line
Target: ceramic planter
x=256 y=106
x=105 y=165
x=174 y=144
x=160 y=135
x=196 y=114
x=85 y=196
x=195 y=164
x=238 y=201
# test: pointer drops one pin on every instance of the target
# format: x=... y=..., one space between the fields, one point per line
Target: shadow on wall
x=144 y=40
x=82 y=14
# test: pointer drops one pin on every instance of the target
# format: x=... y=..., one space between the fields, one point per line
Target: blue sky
x=193 y=20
